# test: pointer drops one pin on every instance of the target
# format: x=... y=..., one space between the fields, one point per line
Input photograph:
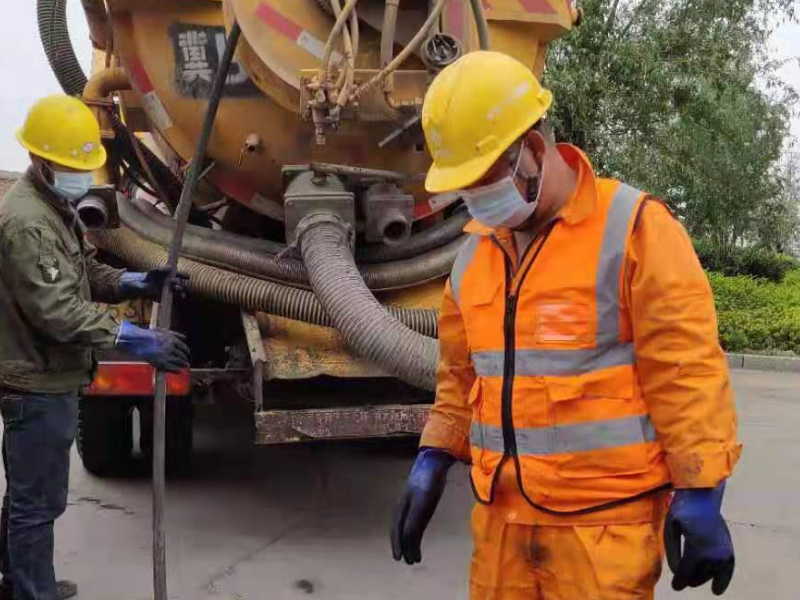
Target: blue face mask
x=72 y=186
x=500 y=204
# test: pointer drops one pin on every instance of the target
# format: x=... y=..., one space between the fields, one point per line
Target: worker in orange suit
x=580 y=372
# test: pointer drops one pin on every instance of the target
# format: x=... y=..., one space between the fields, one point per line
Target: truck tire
x=180 y=427
x=105 y=435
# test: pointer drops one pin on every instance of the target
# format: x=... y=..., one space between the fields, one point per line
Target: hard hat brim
x=446 y=179
x=97 y=160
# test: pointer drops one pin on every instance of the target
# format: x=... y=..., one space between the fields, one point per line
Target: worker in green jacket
x=50 y=324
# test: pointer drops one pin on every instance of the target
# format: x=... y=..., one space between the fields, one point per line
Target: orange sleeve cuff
x=438 y=433
x=702 y=470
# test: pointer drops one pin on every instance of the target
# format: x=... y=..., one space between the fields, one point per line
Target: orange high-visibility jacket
x=593 y=365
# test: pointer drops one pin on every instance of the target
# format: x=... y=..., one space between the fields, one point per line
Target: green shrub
x=755 y=262
x=758 y=315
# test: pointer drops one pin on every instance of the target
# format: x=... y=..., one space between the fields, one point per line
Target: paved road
x=299 y=522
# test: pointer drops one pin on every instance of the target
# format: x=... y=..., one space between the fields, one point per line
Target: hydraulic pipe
x=342 y=15
x=388 y=30
x=410 y=48
x=481 y=24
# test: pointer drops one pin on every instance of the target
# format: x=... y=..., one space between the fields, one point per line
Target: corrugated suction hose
x=52 y=17
x=239 y=290
x=368 y=328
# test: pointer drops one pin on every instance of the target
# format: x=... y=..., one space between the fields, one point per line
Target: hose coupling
x=315 y=219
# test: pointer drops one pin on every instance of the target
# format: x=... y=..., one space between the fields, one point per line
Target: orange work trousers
x=545 y=562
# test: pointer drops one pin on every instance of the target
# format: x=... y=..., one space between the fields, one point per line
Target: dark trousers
x=38 y=432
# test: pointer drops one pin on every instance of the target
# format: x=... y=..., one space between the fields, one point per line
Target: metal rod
x=362 y=172
x=165 y=317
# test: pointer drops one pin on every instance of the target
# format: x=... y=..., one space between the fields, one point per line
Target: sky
x=25 y=71
x=785 y=44
x=27 y=75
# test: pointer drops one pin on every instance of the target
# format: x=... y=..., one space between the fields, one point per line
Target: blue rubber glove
x=164 y=349
x=150 y=283
x=707 y=547
x=423 y=491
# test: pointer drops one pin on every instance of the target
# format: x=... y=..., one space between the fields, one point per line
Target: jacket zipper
x=509 y=339
x=509 y=336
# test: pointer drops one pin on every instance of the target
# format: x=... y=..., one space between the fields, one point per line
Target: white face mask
x=73 y=186
x=500 y=204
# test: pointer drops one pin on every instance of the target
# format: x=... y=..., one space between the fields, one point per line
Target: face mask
x=500 y=204
x=73 y=186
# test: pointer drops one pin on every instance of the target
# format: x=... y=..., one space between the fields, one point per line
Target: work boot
x=64 y=589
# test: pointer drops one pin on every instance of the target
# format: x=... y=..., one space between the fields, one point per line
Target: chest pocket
x=482 y=307
x=562 y=323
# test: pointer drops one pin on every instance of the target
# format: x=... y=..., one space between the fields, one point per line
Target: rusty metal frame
x=360 y=422
x=258 y=357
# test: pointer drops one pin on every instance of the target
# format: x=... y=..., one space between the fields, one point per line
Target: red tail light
x=134 y=379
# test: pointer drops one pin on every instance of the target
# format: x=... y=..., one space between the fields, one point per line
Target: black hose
x=257 y=258
x=53 y=31
x=252 y=294
x=367 y=328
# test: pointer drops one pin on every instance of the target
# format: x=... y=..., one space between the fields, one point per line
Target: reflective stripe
x=554 y=362
x=565 y=439
x=609 y=352
x=609 y=267
x=461 y=263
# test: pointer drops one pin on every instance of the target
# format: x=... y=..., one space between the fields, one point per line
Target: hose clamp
x=314 y=219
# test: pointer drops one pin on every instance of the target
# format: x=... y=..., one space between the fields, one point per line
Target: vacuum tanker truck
x=317 y=260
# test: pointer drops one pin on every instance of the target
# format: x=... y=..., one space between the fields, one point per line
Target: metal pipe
x=99 y=87
x=410 y=48
x=481 y=23
x=92 y=212
x=343 y=92
x=164 y=320
x=341 y=20
x=364 y=172
x=388 y=30
x=348 y=71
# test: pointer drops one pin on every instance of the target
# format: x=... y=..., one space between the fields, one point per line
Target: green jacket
x=49 y=277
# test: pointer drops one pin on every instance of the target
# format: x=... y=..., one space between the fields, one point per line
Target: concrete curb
x=761 y=362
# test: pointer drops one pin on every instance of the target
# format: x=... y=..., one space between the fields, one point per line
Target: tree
x=680 y=98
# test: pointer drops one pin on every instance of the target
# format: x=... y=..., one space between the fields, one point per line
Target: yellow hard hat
x=473 y=111
x=62 y=129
